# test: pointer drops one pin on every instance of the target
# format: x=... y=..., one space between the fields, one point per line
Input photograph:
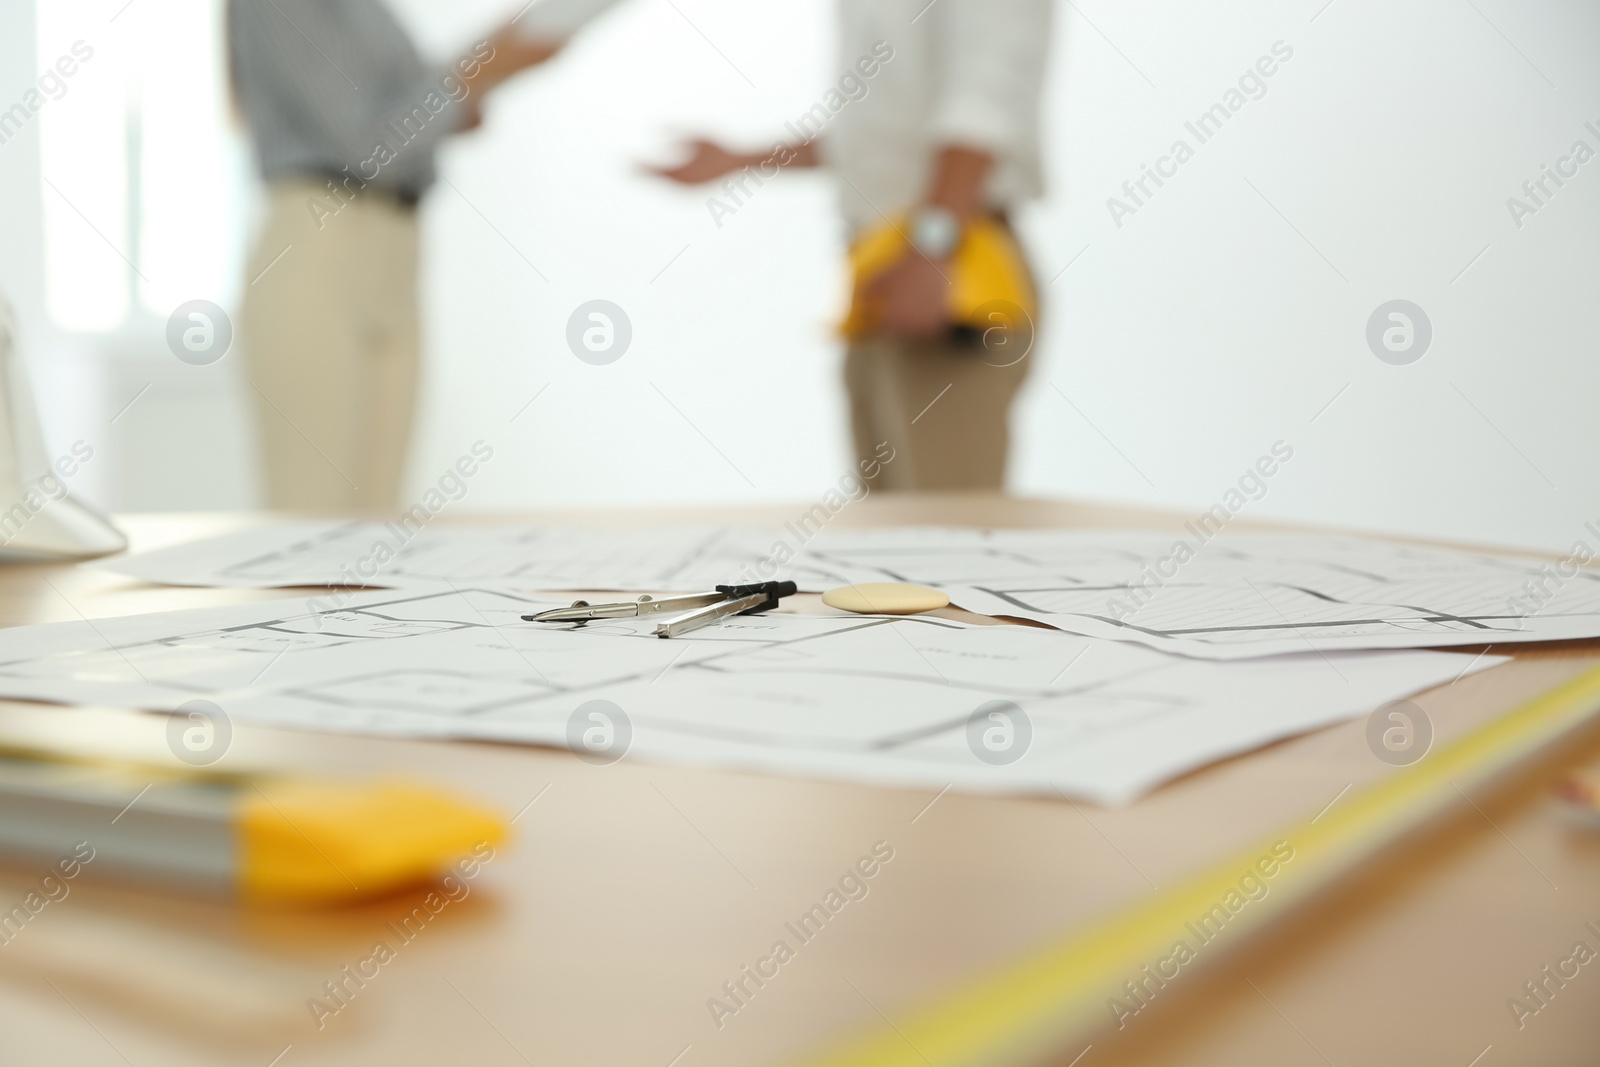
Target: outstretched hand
x=707 y=161
x=522 y=52
x=513 y=51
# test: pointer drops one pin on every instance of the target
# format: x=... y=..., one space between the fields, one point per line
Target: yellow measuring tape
x=1042 y=1004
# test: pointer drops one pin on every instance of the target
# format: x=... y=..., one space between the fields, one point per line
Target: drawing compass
x=699 y=609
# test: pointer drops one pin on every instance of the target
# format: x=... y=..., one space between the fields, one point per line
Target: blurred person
x=933 y=130
x=346 y=119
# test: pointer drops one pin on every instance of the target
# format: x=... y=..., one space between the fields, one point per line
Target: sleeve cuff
x=976 y=124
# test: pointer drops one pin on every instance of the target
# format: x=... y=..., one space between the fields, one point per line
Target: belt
x=406 y=198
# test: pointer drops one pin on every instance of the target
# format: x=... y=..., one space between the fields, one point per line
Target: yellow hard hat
x=989 y=281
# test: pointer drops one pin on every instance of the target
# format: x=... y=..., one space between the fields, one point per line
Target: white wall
x=1206 y=327
x=735 y=332
x=1221 y=317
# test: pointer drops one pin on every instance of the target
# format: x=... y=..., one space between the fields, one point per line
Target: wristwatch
x=935 y=231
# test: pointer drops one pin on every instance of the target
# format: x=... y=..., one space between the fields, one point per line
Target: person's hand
x=471 y=114
x=910 y=297
x=707 y=161
x=510 y=52
x=517 y=51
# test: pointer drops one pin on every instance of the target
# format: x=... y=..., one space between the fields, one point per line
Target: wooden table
x=633 y=892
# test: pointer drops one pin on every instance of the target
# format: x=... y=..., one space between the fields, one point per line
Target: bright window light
x=185 y=183
x=83 y=146
x=140 y=166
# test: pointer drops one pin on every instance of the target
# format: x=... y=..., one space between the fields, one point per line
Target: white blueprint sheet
x=1238 y=596
x=389 y=555
x=1242 y=595
x=864 y=699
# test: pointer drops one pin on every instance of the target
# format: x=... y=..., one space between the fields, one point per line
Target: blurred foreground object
x=1580 y=797
x=263 y=839
x=1062 y=993
x=37 y=516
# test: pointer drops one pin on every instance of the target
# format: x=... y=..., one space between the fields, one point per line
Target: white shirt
x=965 y=72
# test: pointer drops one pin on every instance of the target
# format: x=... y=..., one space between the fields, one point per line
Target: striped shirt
x=332 y=84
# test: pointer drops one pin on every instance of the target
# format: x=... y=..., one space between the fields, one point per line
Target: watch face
x=935 y=232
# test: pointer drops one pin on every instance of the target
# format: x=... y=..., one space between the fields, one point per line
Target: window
x=142 y=172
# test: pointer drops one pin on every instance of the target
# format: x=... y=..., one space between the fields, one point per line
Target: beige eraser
x=885 y=598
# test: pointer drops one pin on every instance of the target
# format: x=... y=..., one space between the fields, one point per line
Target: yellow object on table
x=310 y=842
x=1036 y=1008
x=259 y=838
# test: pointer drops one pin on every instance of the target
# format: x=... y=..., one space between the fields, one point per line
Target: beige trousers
x=943 y=408
x=329 y=330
